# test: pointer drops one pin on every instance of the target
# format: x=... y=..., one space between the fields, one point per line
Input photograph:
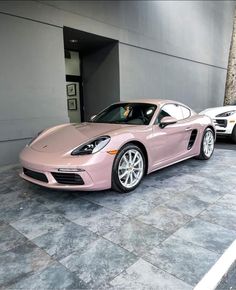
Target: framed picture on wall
x=72 y=104
x=71 y=90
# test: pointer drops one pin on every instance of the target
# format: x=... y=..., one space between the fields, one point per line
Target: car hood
x=67 y=137
x=212 y=112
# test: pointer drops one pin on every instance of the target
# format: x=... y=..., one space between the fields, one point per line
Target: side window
x=186 y=112
x=170 y=110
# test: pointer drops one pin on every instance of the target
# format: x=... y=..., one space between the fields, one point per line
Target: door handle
x=188 y=129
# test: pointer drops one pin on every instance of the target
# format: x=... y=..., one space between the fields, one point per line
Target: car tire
x=204 y=154
x=233 y=135
x=128 y=168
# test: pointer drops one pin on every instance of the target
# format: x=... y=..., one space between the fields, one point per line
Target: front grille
x=35 y=175
x=221 y=123
x=68 y=178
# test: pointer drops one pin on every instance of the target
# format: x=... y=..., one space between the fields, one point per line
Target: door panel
x=171 y=142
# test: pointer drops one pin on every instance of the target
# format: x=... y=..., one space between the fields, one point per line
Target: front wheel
x=128 y=168
x=207 y=145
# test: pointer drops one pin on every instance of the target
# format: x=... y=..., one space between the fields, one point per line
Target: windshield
x=127 y=113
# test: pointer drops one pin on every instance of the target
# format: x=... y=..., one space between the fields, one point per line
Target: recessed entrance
x=92 y=73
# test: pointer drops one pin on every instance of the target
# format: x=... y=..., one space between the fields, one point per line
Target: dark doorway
x=98 y=72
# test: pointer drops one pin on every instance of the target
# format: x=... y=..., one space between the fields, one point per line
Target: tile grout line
x=58 y=260
x=169 y=234
x=54 y=260
x=142 y=257
x=198 y=216
x=133 y=219
x=138 y=257
x=213 y=277
x=130 y=218
x=212 y=204
x=9 y=283
x=154 y=267
x=166 y=271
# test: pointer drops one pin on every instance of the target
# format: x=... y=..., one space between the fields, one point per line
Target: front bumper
x=95 y=170
x=224 y=126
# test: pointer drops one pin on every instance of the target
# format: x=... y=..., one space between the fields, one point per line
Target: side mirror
x=167 y=121
x=91 y=119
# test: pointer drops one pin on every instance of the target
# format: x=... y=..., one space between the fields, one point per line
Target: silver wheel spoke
x=123 y=174
x=130 y=168
x=126 y=180
x=123 y=167
x=135 y=175
x=131 y=177
x=137 y=162
x=135 y=156
x=126 y=160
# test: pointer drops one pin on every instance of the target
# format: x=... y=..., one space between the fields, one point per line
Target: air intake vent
x=192 y=139
x=68 y=178
x=35 y=175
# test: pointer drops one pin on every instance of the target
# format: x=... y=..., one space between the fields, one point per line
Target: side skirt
x=172 y=163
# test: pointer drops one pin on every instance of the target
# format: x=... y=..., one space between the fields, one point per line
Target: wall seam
x=172 y=55
x=13 y=140
x=30 y=19
x=121 y=42
x=129 y=30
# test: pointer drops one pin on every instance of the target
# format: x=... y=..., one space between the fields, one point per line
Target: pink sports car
x=118 y=146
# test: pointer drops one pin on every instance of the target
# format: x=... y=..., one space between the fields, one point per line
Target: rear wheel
x=128 y=168
x=207 y=145
x=233 y=136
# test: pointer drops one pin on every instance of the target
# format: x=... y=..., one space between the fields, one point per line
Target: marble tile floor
x=164 y=235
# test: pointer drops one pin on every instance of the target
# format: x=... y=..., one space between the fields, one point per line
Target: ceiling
x=87 y=42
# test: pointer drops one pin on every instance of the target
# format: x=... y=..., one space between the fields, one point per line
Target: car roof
x=226 y=107
x=153 y=101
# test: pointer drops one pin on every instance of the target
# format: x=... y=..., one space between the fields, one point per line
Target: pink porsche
x=118 y=146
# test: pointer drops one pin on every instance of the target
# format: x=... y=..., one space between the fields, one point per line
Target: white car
x=224 y=119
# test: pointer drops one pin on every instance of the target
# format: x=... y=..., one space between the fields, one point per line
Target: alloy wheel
x=130 y=168
x=208 y=143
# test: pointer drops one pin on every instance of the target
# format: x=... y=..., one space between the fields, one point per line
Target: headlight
x=227 y=114
x=92 y=146
x=35 y=137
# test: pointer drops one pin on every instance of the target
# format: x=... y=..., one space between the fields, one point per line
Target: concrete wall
x=101 y=79
x=197 y=30
x=154 y=75
x=32 y=82
x=167 y=49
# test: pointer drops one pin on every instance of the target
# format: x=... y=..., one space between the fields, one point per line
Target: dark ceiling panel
x=87 y=42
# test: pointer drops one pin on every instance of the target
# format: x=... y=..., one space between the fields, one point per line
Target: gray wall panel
x=198 y=30
x=9 y=151
x=146 y=74
x=32 y=78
